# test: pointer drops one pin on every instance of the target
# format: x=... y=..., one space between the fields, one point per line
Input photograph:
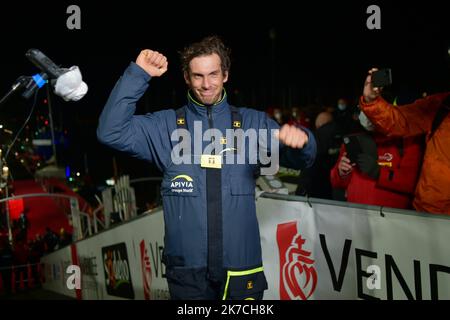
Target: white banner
x=325 y=252
x=54 y=268
x=336 y=252
x=121 y=263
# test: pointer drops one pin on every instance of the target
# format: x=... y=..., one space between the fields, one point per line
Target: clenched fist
x=153 y=62
x=292 y=136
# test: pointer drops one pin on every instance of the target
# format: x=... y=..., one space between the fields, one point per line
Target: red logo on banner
x=146 y=270
x=298 y=278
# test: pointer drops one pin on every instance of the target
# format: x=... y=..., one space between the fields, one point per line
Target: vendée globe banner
x=311 y=250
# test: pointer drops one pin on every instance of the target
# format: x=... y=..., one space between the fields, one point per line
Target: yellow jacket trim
x=237 y=274
x=224 y=94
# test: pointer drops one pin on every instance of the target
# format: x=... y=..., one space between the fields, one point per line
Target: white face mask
x=342 y=106
x=277 y=115
x=365 y=122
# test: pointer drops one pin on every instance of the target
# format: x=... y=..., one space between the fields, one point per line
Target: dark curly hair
x=206 y=46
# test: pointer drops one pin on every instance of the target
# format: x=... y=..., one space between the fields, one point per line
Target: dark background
x=284 y=54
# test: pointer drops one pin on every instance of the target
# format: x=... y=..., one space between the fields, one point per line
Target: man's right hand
x=345 y=167
x=153 y=62
x=370 y=93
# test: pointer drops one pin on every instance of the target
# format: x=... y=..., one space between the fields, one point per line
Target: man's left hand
x=292 y=136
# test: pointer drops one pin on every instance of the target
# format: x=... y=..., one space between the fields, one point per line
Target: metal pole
x=52 y=130
x=95 y=222
x=8 y=218
x=4 y=175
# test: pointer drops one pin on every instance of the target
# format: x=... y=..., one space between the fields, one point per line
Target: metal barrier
x=80 y=221
x=337 y=241
x=379 y=209
x=28 y=275
x=119 y=199
x=21 y=277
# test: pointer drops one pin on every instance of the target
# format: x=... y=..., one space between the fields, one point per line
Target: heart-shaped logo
x=298 y=277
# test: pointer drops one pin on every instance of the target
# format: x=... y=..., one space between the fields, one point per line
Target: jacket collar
x=201 y=109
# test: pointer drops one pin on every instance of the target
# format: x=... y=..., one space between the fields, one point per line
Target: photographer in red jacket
x=384 y=173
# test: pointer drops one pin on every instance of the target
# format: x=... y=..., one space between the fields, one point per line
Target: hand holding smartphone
x=381 y=78
x=353 y=147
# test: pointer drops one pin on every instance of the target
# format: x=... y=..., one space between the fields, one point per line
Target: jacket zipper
x=211 y=124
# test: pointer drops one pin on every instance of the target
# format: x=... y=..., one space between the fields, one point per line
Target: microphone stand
x=52 y=129
x=31 y=84
x=20 y=82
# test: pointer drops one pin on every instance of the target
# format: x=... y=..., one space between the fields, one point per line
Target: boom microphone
x=68 y=83
x=44 y=63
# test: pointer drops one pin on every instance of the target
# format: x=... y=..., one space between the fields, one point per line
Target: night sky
x=283 y=54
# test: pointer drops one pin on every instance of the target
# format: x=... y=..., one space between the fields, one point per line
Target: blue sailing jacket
x=189 y=198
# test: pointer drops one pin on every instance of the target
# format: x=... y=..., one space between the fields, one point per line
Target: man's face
x=205 y=78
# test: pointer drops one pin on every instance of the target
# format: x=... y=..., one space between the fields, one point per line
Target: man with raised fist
x=212 y=243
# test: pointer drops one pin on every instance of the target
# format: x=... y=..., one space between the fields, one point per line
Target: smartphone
x=353 y=147
x=381 y=78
